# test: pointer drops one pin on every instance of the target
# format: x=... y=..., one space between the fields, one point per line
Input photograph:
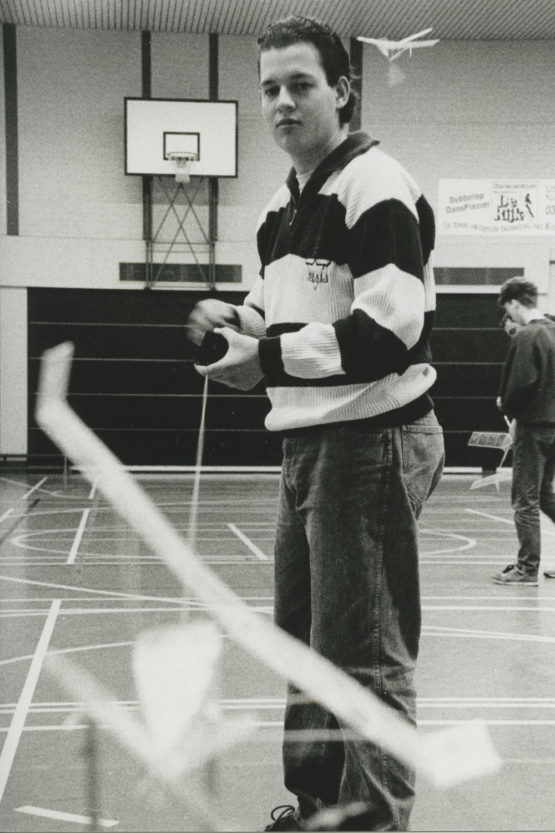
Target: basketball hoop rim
x=182 y=161
x=182 y=156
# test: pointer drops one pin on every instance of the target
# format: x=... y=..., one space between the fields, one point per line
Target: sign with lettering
x=496 y=206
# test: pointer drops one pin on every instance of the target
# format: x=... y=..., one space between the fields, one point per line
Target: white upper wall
x=476 y=110
x=71 y=85
x=465 y=110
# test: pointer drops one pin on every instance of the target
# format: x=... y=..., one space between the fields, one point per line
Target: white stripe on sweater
x=369 y=179
x=299 y=407
x=292 y=294
x=395 y=300
x=311 y=353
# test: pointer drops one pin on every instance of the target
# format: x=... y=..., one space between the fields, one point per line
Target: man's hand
x=499 y=404
x=209 y=314
x=240 y=367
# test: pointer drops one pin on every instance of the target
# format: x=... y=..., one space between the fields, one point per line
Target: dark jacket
x=527 y=387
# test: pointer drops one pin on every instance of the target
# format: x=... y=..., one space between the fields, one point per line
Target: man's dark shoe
x=284 y=817
x=549 y=573
x=512 y=575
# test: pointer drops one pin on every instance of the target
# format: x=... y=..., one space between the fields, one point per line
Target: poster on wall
x=496 y=206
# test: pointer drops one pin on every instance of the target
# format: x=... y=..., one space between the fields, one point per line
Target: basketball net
x=182 y=163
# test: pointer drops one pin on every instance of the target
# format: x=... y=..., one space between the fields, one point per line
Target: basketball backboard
x=156 y=128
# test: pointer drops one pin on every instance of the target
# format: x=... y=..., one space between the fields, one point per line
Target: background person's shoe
x=512 y=575
x=549 y=573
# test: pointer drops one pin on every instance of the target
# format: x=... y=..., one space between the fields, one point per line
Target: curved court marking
x=499 y=519
x=468 y=543
x=24 y=539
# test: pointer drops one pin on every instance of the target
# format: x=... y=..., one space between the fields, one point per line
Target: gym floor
x=76 y=581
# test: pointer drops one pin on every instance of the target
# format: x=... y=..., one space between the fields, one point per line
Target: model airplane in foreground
x=393 y=48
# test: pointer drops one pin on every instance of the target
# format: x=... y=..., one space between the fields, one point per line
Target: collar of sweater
x=353 y=145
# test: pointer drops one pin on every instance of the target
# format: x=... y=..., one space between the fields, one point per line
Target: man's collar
x=352 y=146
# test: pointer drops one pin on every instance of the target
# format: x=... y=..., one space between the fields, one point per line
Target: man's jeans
x=347 y=583
x=532 y=490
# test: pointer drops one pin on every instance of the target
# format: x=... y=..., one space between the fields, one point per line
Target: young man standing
x=527 y=396
x=338 y=324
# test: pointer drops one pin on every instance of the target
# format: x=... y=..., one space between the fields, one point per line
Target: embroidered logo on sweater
x=318 y=271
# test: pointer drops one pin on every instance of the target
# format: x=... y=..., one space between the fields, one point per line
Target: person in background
x=511 y=327
x=338 y=325
x=527 y=397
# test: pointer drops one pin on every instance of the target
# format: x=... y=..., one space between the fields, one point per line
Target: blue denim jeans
x=532 y=490
x=347 y=583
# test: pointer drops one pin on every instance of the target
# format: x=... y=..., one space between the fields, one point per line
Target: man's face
x=298 y=105
x=511 y=327
x=514 y=311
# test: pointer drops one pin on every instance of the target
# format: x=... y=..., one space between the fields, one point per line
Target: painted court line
x=248 y=543
x=6 y=514
x=35 y=487
x=509 y=521
x=430 y=630
x=60 y=816
x=101 y=646
x=16 y=727
x=78 y=536
x=94 y=590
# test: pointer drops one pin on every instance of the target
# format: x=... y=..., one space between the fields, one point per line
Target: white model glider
x=393 y=48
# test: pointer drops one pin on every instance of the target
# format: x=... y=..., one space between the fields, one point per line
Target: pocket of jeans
x=422 y=459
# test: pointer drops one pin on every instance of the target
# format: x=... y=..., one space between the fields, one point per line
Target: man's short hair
x=519 y=289
x=334 y=57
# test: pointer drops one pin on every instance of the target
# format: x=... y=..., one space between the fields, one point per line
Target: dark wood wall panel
x=469 y=348
x=134 y=383
x=133 y=380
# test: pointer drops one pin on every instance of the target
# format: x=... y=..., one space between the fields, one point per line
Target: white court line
x=533 y=608
x=248 y=543
x=6 y=514
x=102 y=645
x=509 y=521
x=468 y=634
x=278 y=724
x=171 y=600
x=78 y=537
x=16 y=727
x=28 y=614
x=60 y=816
x=35 y=487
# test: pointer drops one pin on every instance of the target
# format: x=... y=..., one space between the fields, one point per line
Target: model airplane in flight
x=393 y=48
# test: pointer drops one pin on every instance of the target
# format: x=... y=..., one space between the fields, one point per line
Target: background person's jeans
x=532 y=490
x=347 y=583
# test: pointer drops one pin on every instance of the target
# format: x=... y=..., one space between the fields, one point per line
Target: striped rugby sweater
x=344 y=302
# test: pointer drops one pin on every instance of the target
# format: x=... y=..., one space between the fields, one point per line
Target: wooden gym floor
x=75 y=580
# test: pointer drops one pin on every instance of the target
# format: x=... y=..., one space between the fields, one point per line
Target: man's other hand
x=209 y=314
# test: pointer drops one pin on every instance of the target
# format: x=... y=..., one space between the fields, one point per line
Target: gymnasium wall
x=476 y=110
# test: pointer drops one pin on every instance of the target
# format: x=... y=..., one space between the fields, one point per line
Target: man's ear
x=342 y=92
